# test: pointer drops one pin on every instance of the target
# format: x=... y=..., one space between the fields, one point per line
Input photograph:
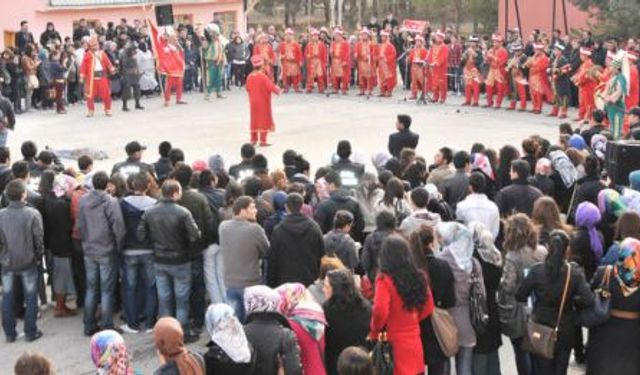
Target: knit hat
x=576 y=141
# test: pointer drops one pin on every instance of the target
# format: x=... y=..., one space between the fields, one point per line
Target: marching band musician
x=560 y=69
x=387 y=65
x=340 y=62
x=471 y=62
x=365 y=63
x=417 y=60
x=439 y=68
x=316 y=57
x=517 y=78
x=496 y=81
x=538 y=81
x=614 y=96
x=264 y=50
x=586 y=79
x=291 y=61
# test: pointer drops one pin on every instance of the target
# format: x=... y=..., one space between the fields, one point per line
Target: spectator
x=229 y=350
x=368 y=194
x=243 y=244
x=628 y=225
x=81 y=31
x=476 y=207
x=173 y=354
x=133 y=164
x=171 y=229
x=508 y=154
x=23 y=37
x=456 y=187
x=355 y=361
x=102 y=231
x=385 y=226
x=296 y=247
x=270 y=333
x=587 y=243
x=279 y=200
x=50 y=38
x=350 y=172
x=393 y=200
x=33 y=364
x=519 y=196
x=588 y=186
x=338 y=243
x=109 y=353
x=546 y=218
x=327 y=263
x=541 y=179
x=253 y=188
x=441 y=169
x=57 y=73
x=339 y=199
x=7 y=119
x=597 y=125
x=5 y=167
x=23 y=248
x=245 y=168
x=403 y=138
x=163 y=166
x=419 y=198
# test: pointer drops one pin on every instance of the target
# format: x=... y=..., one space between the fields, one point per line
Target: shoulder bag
x=478 y=301
x=601 y=309
x=541 y=339
x=446 y=331
x=382 y=355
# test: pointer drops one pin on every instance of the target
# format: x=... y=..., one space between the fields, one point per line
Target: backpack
x=478 y=301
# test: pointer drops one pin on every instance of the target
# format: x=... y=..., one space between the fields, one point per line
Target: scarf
x=380 y=159
x=628 y=266
x=64 y=185
x=610 y=203
x=631 y=199
x=588 y=216
x=279 y=201
x=109 y=353
x=576 y=141
x=599 y=146
x=290 y=296
x=458 y=240
x=543 y=167
x=565 y=167
x=227 y=332
x=483 y=239
x=260 y=298
x=309 y=314
x=169 y=339
x=481 y=162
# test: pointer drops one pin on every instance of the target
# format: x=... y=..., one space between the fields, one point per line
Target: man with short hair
x=418 y=199
x=597 y=126
x=243 y=244
x=350 y=172
x=22 y=249
x=476 y=207
x=7 y=119
x=296 y=247
x=102 y=231
x=5 y=167
x=23 y=37
x=133 y=164
x=339 y=199
x=172 y=230
x=441 y=168
x=403 y=138
x=634 y=123
x=339 y=243
x=518 y=197
x=455 y=187
x=163 y=166
x=244 y=169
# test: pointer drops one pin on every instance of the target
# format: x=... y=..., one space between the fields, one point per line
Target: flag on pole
x=170 y=58
x=414 y=25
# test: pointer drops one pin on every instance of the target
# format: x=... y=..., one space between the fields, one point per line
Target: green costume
x=616 y=110
x=214 y=55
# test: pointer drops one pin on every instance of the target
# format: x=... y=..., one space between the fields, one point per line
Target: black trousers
x=129 y=85
x=77 y=268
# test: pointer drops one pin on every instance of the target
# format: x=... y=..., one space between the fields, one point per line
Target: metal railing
x=93 y=3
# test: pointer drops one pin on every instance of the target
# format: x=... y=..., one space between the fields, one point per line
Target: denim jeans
x=235 y=299
x=139 y=269
x=102 y=274
x=196 y=299
x=524 y=360
x=29 y=279
x=464 y=360
x=4 y=134
x=486 y=363
x=214 y=274
x=174 y=284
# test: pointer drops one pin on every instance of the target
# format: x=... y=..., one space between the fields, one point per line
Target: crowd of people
x=293 y=272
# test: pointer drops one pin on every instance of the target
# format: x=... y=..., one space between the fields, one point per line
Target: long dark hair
x=393 y=190
x=397 y=262
x=421 y=242
x=46 y=182
x=345 y=295
x=558 y=245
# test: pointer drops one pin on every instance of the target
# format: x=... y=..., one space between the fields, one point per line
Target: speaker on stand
x=622 y=157
x=164 y=15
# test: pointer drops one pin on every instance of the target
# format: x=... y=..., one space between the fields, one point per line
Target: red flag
x=170 y=58
x=414 y=25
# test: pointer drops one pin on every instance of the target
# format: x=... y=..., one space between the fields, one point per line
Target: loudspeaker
x=164 y=15
x=622 y=157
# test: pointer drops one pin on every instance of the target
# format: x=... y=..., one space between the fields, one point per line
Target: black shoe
x=117 y=329
x=92 y=332
x=138 y=106
x=190 y=337
x=33 y=338
x=10 y=339
x=125 y=109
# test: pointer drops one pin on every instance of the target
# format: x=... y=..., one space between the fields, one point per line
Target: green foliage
x=613 y=18
x=482 y=14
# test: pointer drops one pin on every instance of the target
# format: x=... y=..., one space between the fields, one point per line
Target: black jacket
x=347 y=325
x=215 y=198
x=132 y=216
x=543 y=183
x=198 y=205
x=350 y=172
x=130 y=167
x=7 y=109
x=517 y=198
x=582 y=252
x=491 y=339
x=402 y=139
x=245 y=165
x=296 y=248
x=587 y=134
x=217 y=362
x=57 y=225
x=272 y=339
x=455 y=188
x=371 y=251
x=162 y=168
x=171 y=229
x=588 y=189
x=339 y=200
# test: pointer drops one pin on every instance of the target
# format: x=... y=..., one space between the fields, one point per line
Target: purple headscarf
x=588 y=216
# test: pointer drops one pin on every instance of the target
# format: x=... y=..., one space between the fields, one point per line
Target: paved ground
x=311 y=124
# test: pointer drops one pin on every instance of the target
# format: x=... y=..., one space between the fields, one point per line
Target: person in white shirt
x=477 y=207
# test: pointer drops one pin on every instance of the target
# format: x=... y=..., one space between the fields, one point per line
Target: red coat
x=290 y=58
x=440 y=59
x=417 y=58
x=311 y=351
x=365 y=59
x=260 y=87
x=316 y=55
x=497 y=59
x=387 y=64
x=87 y=69
x=340 y=53
x=538 y=80
x=634 y=90
x=403 y=327
x=265 y=51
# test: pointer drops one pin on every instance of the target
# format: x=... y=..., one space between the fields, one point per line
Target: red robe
x=439 y=66
x=265 y=51
x=87 y=68
x=340 y=60
x=365 y=65
x=170 y=57
x=497 y=59
x=587 y=83
x=417 y=60
x=316 y=56
x=260 y=87
x=634 y=90
x=538 y=80
x=387 y=67
x=291 y=58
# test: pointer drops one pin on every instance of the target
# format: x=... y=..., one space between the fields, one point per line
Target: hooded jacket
x=296 y=248
x=340 y=244
x=100 y=224
x=133 y=207
x=339 y=200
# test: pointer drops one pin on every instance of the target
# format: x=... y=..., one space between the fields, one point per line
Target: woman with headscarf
x=279 y=212
x=174 y=356
x=229 y=350
x=456 y=242
x=588 y=187
x=542 y=177
x=614 y=347
x=109 y=354
x=270 y=333
x=564 y=177
x=611 y=208
x=482 y=164
x=628 y=225
x=587 y=242
x=308 y=322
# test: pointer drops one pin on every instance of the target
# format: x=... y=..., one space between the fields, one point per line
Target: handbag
x=478 y=302
x=446 y=331
x=601 y=309
x=382 y=355
x=32 y=81
x=541 y=339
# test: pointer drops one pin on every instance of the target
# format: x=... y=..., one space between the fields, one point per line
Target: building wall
x=538 y=14
x=38 y=13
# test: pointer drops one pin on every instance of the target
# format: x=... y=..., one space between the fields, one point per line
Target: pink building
x=65 y=13
x=538 y=14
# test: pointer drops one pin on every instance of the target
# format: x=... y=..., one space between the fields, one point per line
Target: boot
x=138 y=106
x=563 y=113
x=554 y=112
x=61 y=310
x=125 y=108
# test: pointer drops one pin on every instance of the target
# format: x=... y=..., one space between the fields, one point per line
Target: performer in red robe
x=316 y=55
x=439 y=65
x=538 y=65
x=171 y=64
x=386 y=65
x=291 y=61
x=517 y=78
x=260 y=87
x=264 y=50
x=340 y=53
x=496 y=81
x=365 y=63
x=631 y=100
x=586 y=79
x=471 y=61
x=94 y=71
x=417 y=61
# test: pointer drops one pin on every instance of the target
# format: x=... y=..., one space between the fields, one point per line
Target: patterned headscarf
x=599 y=145
x=482 y=163
x=227 y=332
x=610 y=203
x=169 y=340
x=261 y=298
x=576 y=141
x=458 y=240
x=64 y=185
x=290 y=296
x=109 y=353
x=628 y=266
x=564 y=166
x=309 y=314
x=588 y=216
x=483 y=239
x=543 y=167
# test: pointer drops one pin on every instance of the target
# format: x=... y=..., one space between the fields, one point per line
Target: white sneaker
x=126 y=329
x=148 y=330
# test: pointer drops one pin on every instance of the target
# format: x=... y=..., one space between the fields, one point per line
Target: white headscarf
x=483 y=240
x=458 y=240
x=227 y=332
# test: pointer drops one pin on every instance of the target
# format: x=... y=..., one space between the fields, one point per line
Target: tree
x=614 y=18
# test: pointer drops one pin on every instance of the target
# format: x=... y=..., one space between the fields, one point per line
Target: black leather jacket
x=171 y=229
